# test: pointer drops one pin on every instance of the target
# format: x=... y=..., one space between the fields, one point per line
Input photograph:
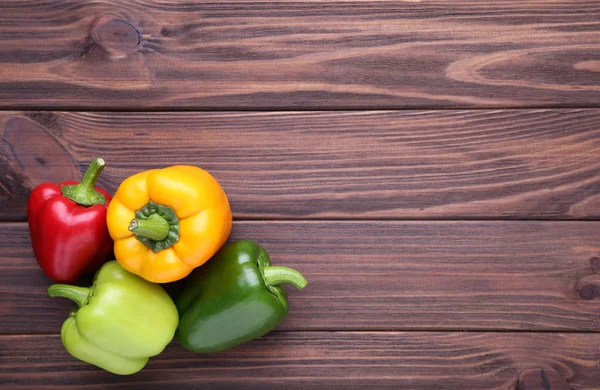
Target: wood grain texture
x=449 y=164
x=385 y=276
x=339 y=360
x=309 y=54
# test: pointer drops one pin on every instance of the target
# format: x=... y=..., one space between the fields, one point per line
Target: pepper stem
x=276 y=275
x=77 y=294
x=155 y=227
x=84 y=193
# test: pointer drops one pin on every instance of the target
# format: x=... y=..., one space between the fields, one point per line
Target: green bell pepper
x=121 y=322
x=234 y=298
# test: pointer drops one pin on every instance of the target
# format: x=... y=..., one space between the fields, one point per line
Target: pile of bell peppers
x=161 y=226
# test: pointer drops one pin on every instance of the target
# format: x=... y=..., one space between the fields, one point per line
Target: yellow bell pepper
x=166 y=222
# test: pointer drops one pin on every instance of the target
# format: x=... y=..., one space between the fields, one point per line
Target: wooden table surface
x=432 y=167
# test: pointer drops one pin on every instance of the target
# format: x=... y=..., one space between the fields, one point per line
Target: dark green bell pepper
x=235 y=297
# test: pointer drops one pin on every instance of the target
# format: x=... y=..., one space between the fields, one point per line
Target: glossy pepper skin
x=67 y=224
x=234 y=298
x=122 y=320
x=166 y=222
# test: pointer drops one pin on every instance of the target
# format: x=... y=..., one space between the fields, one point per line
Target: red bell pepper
x=67 y=223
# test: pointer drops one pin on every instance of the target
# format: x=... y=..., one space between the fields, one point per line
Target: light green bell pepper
x=121 y=322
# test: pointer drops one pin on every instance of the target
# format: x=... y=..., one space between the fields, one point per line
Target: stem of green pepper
x=84 y=193
x=77 y=294
x=276 y=275
x=155 y=227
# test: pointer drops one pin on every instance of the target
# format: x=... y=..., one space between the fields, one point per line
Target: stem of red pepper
x=155 y=227
x=276 y=275
x=84 y=193
x=79 y=295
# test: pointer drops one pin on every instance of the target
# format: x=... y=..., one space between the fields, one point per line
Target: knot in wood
x=541 y=379
x=116 y=35
x=588 y=288
x=595 y=264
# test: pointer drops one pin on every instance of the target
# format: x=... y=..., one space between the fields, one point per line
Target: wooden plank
x=279 y=54
x=385 y=276
x=317 y=360
x=366 y=164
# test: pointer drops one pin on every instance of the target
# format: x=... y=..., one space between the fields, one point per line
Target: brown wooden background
x=432 y=167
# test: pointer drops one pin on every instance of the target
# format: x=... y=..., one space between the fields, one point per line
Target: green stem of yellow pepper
x=155 y=227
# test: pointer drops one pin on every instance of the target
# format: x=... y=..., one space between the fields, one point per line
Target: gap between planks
x=109 y=109
x=379 y=331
